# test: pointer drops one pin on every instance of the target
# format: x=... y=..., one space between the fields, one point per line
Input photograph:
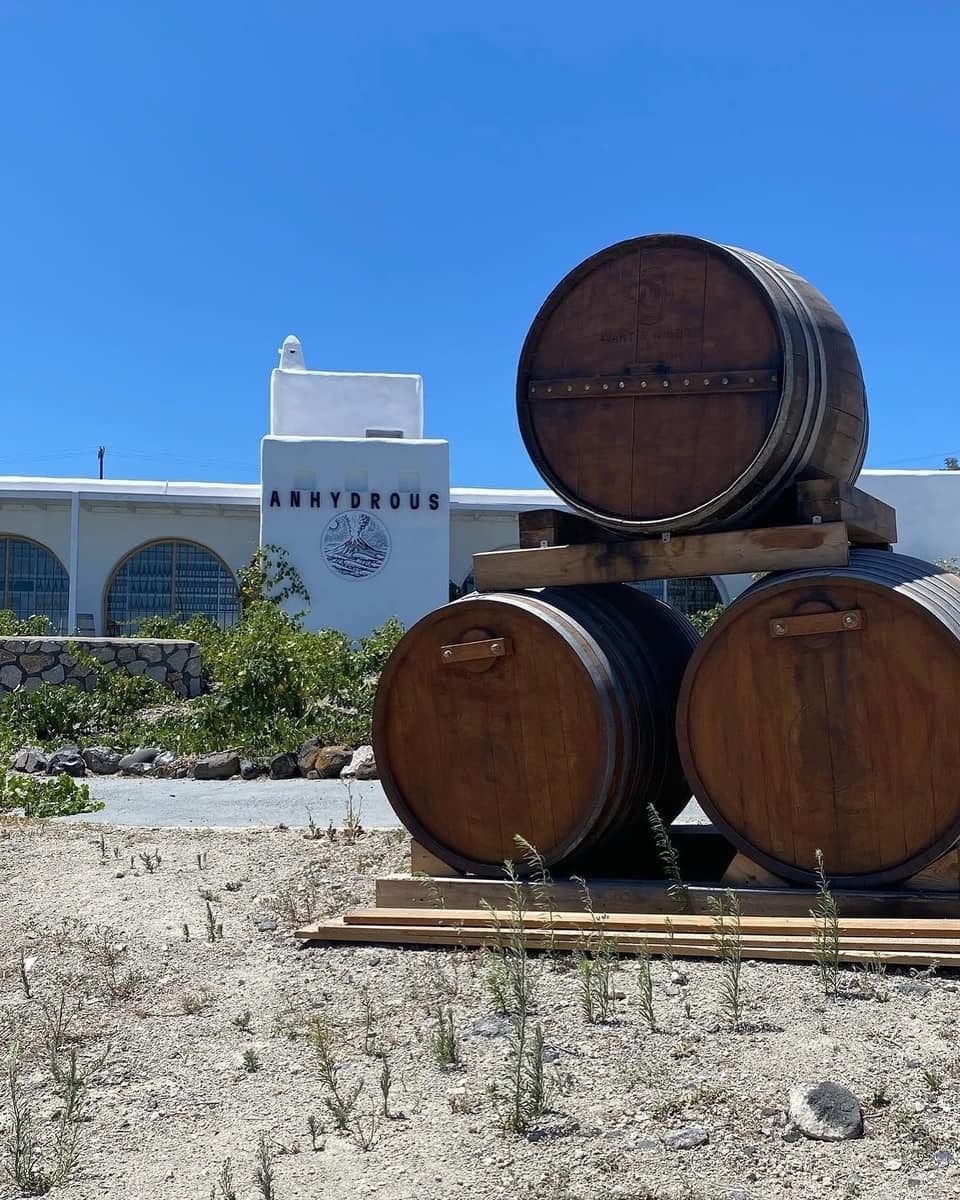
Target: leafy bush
x=13 y=626
x=270 y=683
x=41 y=797
x=706 y=618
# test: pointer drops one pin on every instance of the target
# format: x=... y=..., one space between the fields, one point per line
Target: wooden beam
x=869 y=521
x=641 y=896
x=786 y=548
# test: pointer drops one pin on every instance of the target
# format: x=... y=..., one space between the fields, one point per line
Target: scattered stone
x=825 y=1111
x=66 y=761
x=283 y=766
x=491 y=1027
x=250 y=770
x=224 y=764
x=140 y=768
x=361 y=766
x=30 y=759
x=791 y=1133
x=892 y=1164
x=944 y=1158
x=266 y=925
x=102 y=760
x=331 y=760
x=913 y=987
x=143 y=754
x=312 y=774
x=686 y=1139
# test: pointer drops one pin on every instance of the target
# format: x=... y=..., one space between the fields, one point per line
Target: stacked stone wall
x=29 y=662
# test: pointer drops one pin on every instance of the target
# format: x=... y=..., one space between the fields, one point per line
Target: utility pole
x=101 y=451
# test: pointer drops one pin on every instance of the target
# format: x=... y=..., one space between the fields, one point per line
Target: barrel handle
x=848 y=621
x=478 y=649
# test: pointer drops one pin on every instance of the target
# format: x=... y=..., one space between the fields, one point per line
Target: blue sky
x=402 y=184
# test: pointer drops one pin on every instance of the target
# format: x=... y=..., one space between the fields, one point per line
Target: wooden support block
x=556 y=527
x=423 y=862
x=869 y=521
x=941 y=876
x=688 y=556
x=744 y=872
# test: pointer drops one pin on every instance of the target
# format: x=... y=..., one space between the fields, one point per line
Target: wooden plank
x=941 y=876
x=870 y=521
x=625 y=943
x=640 y=896
x=685 y=924
x=690 y=555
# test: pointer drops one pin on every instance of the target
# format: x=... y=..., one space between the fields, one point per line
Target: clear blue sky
x=402 y=184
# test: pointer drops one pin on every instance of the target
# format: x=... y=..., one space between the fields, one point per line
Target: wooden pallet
x=822 y=520
x=903 y=942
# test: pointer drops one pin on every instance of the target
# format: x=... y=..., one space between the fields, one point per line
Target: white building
x=353 y=492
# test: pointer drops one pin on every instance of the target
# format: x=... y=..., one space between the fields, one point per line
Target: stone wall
x=28 y=662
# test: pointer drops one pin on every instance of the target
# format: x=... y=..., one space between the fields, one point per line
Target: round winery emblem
x=355 y=545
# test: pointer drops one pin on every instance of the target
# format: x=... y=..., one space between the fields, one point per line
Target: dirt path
x=173 y=1098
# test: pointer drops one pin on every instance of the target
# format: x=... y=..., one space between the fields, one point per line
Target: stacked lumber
x=901 y=942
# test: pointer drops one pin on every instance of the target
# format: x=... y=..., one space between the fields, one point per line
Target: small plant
x=595 y=965
x=339 y=1102
x=364 y=1131
x=826 y=937
x=645 y=981
x=225 y=1184
x=186 y=931
x=727 y=939
x=879 y=1097
x=313 y=1128
x=243 y=1020
x=525 y=1099
x=213 y=927
x=263 y=1175
x=25 y=966
x=202 y=861
x=22 y=1160
x=386 y=1083
x=232 y=885
x=446 y=1051
x=151 y=860
x=369 y=1022
x=192 y=1003
x=251 y=1061
x=677 y=889
x=933 y=1079
x=352 y=828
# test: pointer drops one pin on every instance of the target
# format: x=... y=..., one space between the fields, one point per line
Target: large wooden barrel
x=822 y=711
x=547 y=714
x=671 y=383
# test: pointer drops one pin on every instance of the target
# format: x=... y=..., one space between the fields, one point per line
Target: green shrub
x=706 y=618
x=272 y=685
x=13 y=626
x=42 y=797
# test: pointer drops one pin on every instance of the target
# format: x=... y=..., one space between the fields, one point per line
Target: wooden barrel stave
x=564 y=741
x=659 y=460
x=846 y=740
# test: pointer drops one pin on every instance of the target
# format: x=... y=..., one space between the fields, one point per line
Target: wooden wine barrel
x=547 y=714
x=822 y=711
x=672 y=383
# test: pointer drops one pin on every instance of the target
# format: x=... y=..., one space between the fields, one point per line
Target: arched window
x=170 y=579
x=33 y=581
x=687 y=595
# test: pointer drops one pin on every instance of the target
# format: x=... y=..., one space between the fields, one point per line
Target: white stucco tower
x=356 y=495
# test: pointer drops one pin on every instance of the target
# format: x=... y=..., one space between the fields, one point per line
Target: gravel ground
x=151 y=1015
